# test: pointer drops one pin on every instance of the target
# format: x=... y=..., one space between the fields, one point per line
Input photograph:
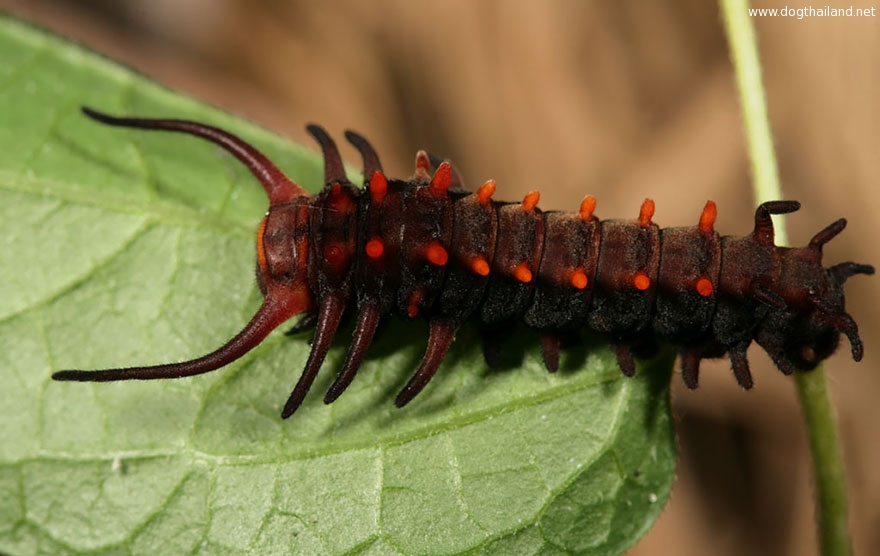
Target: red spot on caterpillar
x=480 y=266
x=522 y=273
x=530 y=201
x=588 y=205
x=579 y=279
x=641 y=281
x=646 y=213
x=436 y=254
x=441 y=180
x=704 y=287
x=378 y=187
x=375 y=248
x=707 y=218
x=484 y=193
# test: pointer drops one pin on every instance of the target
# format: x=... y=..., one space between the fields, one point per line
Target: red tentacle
x=280 y=188
x=275 y=310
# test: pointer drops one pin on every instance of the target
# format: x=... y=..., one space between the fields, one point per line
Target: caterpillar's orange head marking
x=262 y=265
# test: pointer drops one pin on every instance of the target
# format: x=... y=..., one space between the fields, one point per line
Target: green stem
x=828 y=461
x=830 y=482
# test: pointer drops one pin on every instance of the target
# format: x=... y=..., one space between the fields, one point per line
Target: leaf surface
x=126 y=247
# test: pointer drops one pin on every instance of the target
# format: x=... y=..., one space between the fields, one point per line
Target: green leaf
x=123 y=247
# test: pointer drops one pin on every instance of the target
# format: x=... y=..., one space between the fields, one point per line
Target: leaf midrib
x=422 y=433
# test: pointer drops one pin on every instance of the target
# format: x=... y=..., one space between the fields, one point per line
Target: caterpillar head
x=805 y=327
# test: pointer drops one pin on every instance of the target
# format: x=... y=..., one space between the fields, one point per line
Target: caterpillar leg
x=783 y=363
x=493 y=340
x=844 y=323
x=740 y=365
x=550 y=351
x=625 y=359
x=690 y=367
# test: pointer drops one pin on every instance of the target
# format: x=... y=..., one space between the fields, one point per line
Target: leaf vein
x=85 y=276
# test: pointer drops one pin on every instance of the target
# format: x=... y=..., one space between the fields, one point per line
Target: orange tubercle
x=704 y=287
x=441 y=180
x=641 y=281
x=423 y=162
x=378 y=187
x=579 y=279
x=588 y=205
x=707 y=218
x=480 y=266
x=530 y=201
x=375 y=248
x=484 y=193
x=646 y=213
x=522 y=273
x=436 y=254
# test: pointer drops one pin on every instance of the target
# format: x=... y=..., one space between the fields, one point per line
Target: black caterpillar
x=426 y=247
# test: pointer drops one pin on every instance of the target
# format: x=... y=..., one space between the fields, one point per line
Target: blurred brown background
x=623 y=100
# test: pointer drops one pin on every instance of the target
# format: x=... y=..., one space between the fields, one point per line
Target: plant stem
x=747 y=65
x=830 y=479
x=830 y=482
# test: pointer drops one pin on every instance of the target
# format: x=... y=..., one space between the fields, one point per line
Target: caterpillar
x=424 y=247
